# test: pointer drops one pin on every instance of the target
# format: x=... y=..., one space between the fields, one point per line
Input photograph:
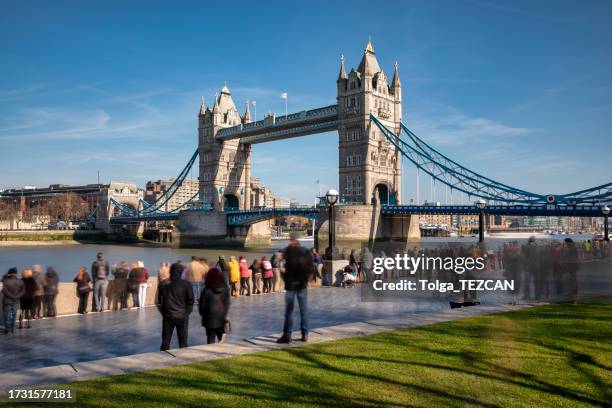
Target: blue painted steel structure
x=152 y=211
x=557 y=210
x=441 y=168
x=460 y=178
x=237 y=217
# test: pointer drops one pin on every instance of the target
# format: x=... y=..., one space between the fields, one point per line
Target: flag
x=254 y=103
x=284 y=95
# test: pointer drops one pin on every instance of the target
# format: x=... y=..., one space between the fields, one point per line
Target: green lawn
x=558 y=355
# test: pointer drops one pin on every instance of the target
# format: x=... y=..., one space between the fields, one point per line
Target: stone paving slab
x=154 y=360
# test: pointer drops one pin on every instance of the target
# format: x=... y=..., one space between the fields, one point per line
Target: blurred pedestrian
x=39 y=293
x=27 y=299
x=195 y=275
x=245 y=286
x=267 y=274
x=12 y=290
x=277 y=263
x=120 y=285
x=143 y=284
x=50 y=285
x=256 y=274
x=83 y=287
x=234 y=275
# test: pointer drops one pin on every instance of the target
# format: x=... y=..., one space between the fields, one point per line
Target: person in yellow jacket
x=234 y=275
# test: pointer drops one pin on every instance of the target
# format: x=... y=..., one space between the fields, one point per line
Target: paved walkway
x=73 y=339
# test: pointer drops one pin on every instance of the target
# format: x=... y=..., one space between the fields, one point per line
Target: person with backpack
x=175 y=303
x=100 y=271
x=298 y=270
x=268 y=274
x=50 y=292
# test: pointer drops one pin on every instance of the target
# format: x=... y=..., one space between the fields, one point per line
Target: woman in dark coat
x=50 y=292
x=256 y=272
x=214 y=305
x=27 y=300
x=83 y=288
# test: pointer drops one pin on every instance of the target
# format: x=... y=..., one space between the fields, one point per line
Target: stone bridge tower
x=225 y=167
x=369 y=165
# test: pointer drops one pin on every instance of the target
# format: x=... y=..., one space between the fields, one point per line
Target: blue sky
x=520 y=91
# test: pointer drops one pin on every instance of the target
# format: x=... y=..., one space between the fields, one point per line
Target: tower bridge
x=371 y=143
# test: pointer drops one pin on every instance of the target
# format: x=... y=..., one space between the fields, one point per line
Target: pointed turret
x=247 y=114
x=216 y=105
x=342 y=75
x=369 y=47
x=395 y=83
x=202 y=107
x=369 y=64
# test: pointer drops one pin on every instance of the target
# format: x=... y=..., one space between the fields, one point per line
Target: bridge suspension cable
x=155 y=208
x=460 y=178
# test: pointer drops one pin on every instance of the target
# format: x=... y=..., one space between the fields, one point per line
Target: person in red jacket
x=245 y=286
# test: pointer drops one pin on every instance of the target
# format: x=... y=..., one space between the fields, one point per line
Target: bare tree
x=67 y=207
x=8 y=209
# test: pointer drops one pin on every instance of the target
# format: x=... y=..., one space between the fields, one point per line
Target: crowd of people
x=179 y=288
x=540 y=270
x=33 y=296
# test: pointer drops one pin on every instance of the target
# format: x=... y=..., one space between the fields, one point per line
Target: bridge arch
x=382 y=194
x=230 y=201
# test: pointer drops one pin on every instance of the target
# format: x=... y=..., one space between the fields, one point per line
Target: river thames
x=67 y=259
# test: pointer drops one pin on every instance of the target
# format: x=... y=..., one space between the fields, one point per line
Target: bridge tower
x=225 y=166
x=369 y=165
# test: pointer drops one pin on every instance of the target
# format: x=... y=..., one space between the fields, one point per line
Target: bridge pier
x=198 y=229
x=364 y=224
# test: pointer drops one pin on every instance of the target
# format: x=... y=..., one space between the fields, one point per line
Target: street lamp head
x=605 y=210
x=332 y=196
x=481 y=204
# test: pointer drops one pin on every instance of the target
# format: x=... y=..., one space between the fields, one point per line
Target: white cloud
x=448 y=126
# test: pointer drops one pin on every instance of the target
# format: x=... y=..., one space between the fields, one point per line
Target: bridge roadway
x=246 y=217
x=283 y=127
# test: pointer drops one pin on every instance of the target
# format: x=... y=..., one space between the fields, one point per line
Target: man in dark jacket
x=175 y=302
x=298 y=270
x=12 y=290
x=100 y=272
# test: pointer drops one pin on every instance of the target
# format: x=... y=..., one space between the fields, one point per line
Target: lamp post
x=606 y=211
x=331 y=198
x=481 y=204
